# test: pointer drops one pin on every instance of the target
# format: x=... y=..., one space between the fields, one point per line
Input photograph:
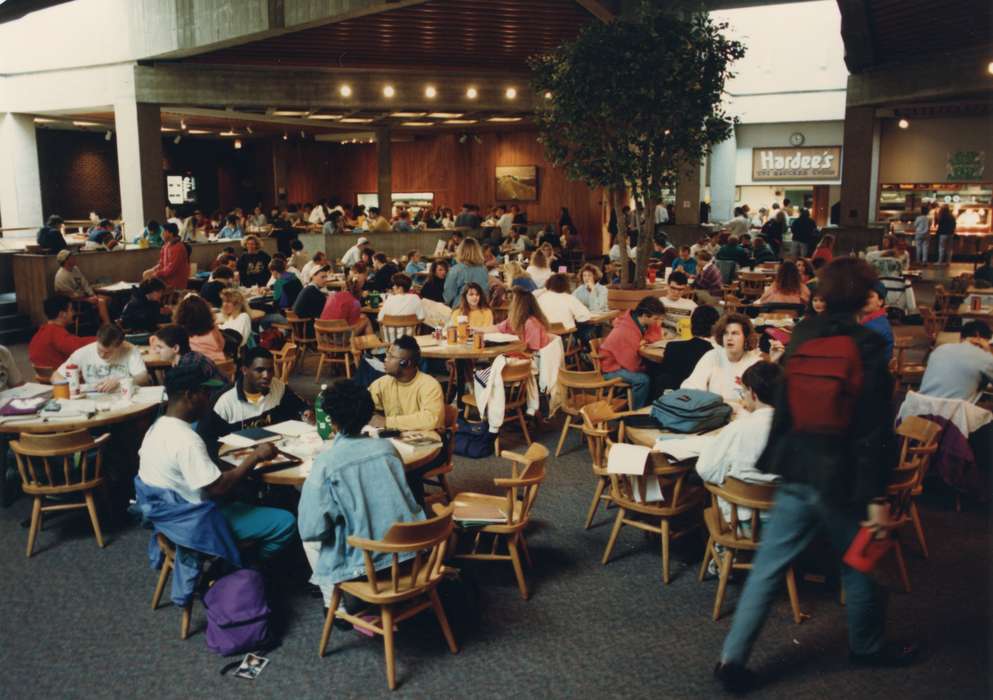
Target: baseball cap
x=190 y=377
x=63 y=255
x=362 y=239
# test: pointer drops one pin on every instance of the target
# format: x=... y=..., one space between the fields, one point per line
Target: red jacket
x=52 y=345
x=620 y=349
x=174 y=265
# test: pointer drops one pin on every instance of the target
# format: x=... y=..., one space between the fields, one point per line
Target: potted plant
x=629 y=103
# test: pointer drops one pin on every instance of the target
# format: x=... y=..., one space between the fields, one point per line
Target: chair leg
x=794 y=598
x=722 y=583
x=526 y=550
x=92 y=508
x=184 y=625
x=707 y=554
x=329 y=621
x=515 y=558
x=348 y=367
x=915 y=515
x=443 y=480
x=160 y=586
x=386 y=617
x=439 y=612
x=901 y=564
x=524 y=426
x=565 y=431
x=596 y=502
x=618 y=522
x=665 y=551
x=320 y=368
x=35 y=524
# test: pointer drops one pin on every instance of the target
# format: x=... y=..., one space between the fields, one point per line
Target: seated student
x=685 y=261
x=96 y=233
x=152 y=233
x=318 y=261
x=298 y=257
x=196 y=316
x=286 y=287
x=253 y=265
x=490 y=258
x=408 y=398
x=104 y=241
x=525 y=319
x=516 y=244
x=615 y=251
x=720 y=369
x=984 y=273
x=144 y=310
x=559 y=306
x=786 y=288
x=619 y=352
x=473 y=305
x=681 y=356
x=220 y=279
x=354 y=254
x=761 y=252
x=232 y=229
x=663 y=251
x=434 y=287
x=311 y=299
x=258 y=399
x=708 y=278
x=676 y=306
x=454 y=242
x=401 y=302
x=377 y=223
x=734 y=252
x=356 y=487
x=106 y=361
x=415 y=265
x=53 y=344
x=590 y=292
x=234 y=314
x=960 y=370
x=174 y=458
x=50 y=236
x=226 y=258
x=383 y=271
x=403 y=224
x=538 y=268
x=70 y=282
x=874 y=316
x=345 y=305
x=172 y=344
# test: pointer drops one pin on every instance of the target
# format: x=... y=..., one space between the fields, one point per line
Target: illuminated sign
x=783 y=164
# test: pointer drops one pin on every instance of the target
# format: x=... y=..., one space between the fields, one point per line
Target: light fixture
x=371 y=140
x=388 y=91
x=43 y=120
x=286 y=136
x=237 y=143
x=989 y=68
x=548 y=95
x=345 y=90
x=510 y=93
x=85 y=124
x=472 y=93
x=430 y=92
x=108 y=136
x=356 y=120
x=229 y=132
x=417 y=124
x=324 y=116
x=504 y=119
x=303 y=134
x=182 y=124
x=344 y=142
x=407 y=115
x=903 y=124
x=179 y=137
x=475 y=137
x=463 y=138
x=198 y=131
x=445 y=115
x=460 y=121
x=289 y=113
x=248 y=128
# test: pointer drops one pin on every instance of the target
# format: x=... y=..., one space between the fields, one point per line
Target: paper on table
x=426 y=341
x=292 y=428
x=119 y=286
x=501 y=338
x=150 y=394
x=237 y=441
x=73 y=407
x=683 y=447
x=627 y=459
x=25 y=391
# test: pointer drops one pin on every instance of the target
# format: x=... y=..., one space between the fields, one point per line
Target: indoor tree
x=628 y=103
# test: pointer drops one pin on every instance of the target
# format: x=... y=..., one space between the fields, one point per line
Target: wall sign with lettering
x=809 y=163
x=966 y=165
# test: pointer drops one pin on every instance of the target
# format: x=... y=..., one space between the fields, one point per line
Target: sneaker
x=735 y=678
x=891 y=654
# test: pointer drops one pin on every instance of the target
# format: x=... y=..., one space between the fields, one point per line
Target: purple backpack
x=237 y=613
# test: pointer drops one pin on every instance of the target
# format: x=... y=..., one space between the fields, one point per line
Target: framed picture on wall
x=518 y=183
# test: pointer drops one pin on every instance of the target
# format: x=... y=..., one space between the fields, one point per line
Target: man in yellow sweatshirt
x=408 y=398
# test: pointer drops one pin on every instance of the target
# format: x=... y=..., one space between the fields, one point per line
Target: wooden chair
x=752 y=284
x=581 y=389
x=732 y=304
x=932 y=326
x=334 y=345
x=438 y=477
x=908 y=373
x=515 y=505
x=402 y=590
x=919 y=444
x=738 y=535
x=301 y=335
x=43 y=375
x=361 y=343
x=227 y=368
x=285 y=360
x=679 y=499
x=48 y=468
x=168 y=550
x=500 y=313
x=595 y=344
x=597 y=431
x=570 y=345
x=393 y=327
x=942 y=306
x=515 y=386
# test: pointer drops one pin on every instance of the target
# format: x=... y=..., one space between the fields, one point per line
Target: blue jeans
x=944 y=244
x=272 y=528
x=797 y=517
x=921 y=244
x=640 y=382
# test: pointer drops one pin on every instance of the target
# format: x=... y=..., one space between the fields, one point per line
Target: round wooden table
x=465 y=351
x=99 y=419
x=654 y=352
x=415 y=458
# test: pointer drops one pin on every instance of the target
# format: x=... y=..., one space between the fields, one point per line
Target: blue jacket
x=230 y=232
x=688 y=266
x=195 y=529
x=461 y=275
x=357 y=486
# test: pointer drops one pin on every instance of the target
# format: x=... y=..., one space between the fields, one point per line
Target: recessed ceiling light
x=167 y=129
x=460 y=121
x=85 y=124
x=198 y=131
x=356 y=120
x=430 y=92
x=44 y=120
x=229 y=132
x=504 y=119
x=388 y=91
x=182 y=124
x=286 y=136
x=989 y=68
x=324 y=116
x=407 y=115
x=548 y=95
x=237 y=143
x=445 y=115
x=417 y=124
x=345 y=90
x=511 y=93
x=289 y=112
x=472 y=93
x=248 y=128
x=903 y=124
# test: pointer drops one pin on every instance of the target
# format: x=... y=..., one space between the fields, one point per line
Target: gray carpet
x=78 y=622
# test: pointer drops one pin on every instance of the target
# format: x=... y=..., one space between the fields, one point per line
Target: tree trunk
x=646 y=239
x=617 y=199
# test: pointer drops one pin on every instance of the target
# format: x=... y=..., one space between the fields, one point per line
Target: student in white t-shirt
x=559 y=306
x=107 y=361
x=720 y=369
x=401 y=302
x=676 y=307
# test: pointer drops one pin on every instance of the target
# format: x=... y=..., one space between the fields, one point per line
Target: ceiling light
x=237 y=143
x=430 y=92
x=303 y=134
x=356 y=120
x=510 y=93
x=324 y=116
x=289 y=112
x=229 y=132
x=472 y=93
x=463 y=138
x=167 y=129
x=108 y=136
x=85 y=124
x=407 y=115
x=371 y=140
x=475 y=137
x=548 y=95
x=903 y=124
x=344 y=142
x=445 y=115
x=989 y=68
x=198 y=131
x=345 y=90
x=388 y=91
x=285 y=136
x=504 y=119
x=248 y=128
x=182 y=124
x=417 y=124
x=44 y=120
x=179 y=137
x=460 y=121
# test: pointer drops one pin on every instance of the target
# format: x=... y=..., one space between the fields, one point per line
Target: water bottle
x=323 y=422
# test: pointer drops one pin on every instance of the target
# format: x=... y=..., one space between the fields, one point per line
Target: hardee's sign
x=810 y=163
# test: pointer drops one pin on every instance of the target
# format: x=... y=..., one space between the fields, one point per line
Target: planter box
x=624 y=299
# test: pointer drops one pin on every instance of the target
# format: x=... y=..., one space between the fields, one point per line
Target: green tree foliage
x=628 y=103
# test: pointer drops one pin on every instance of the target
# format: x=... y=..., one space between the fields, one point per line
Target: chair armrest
x=514 y=457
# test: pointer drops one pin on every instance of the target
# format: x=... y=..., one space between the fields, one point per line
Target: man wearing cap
x=176 y=468
x=354 y=254
x=70 y=282
x=50 y=235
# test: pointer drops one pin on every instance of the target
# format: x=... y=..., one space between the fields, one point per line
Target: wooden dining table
x=108 y=413
x=441 y=350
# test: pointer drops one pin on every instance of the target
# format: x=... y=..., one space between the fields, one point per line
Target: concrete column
x=20 y=182
x=723 y=176
x=860 y=163
x=384 y=176
x=688 y=191
x=139 y=163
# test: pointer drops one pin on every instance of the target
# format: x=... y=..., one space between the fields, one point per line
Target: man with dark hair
x=408 y=398
x=220 y=279
x=681 y=356
x=619 y=352
x=258 y=399
x=173 y=267
x=106 y=361
x=143 y=312
x=53 y=344
x=310 y=301
x=833 y=445
x=50 y=237
x=171 y=344
x=70 y=281
x=401 y=302
x=677 y=306
x=354 y=470
x=384 y=268
x=960 y=370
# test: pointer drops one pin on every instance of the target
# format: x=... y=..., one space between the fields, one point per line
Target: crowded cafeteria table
x=647 y=437
x=434 y=349
x=87 y=412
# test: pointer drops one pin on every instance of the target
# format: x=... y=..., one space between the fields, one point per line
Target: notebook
x=476 y=512
x=249 y=437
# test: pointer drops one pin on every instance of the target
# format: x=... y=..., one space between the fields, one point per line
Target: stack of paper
x=500 y=338
x=292 y=428
x=631 y=461
x=150 y=394
x=28 y=390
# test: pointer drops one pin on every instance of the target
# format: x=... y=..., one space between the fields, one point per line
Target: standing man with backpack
x=832 y=443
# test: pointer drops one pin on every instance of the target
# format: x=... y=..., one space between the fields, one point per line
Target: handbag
x=473 y=439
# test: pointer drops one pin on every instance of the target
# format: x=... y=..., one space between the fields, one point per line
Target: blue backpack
x=690 y=411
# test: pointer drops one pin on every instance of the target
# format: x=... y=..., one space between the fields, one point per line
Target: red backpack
x=823 y=384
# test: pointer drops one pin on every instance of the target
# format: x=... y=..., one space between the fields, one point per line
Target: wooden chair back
x=393 y=327
x=285 y=360
x=595 y=353
x=919 y=443
x=59 y=463
x=515 y=383
x=752 y=284
x=597 y=431
x=43 y=375
x=500 y=312
x=301 y=329
x=428 y=539
x=583 y=388
x=522 y=488
x=570 y=344
x=333 y=335
x=740 y=494
x=361 y=343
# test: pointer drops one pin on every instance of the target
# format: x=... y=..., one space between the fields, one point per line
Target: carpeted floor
x=77 y=620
